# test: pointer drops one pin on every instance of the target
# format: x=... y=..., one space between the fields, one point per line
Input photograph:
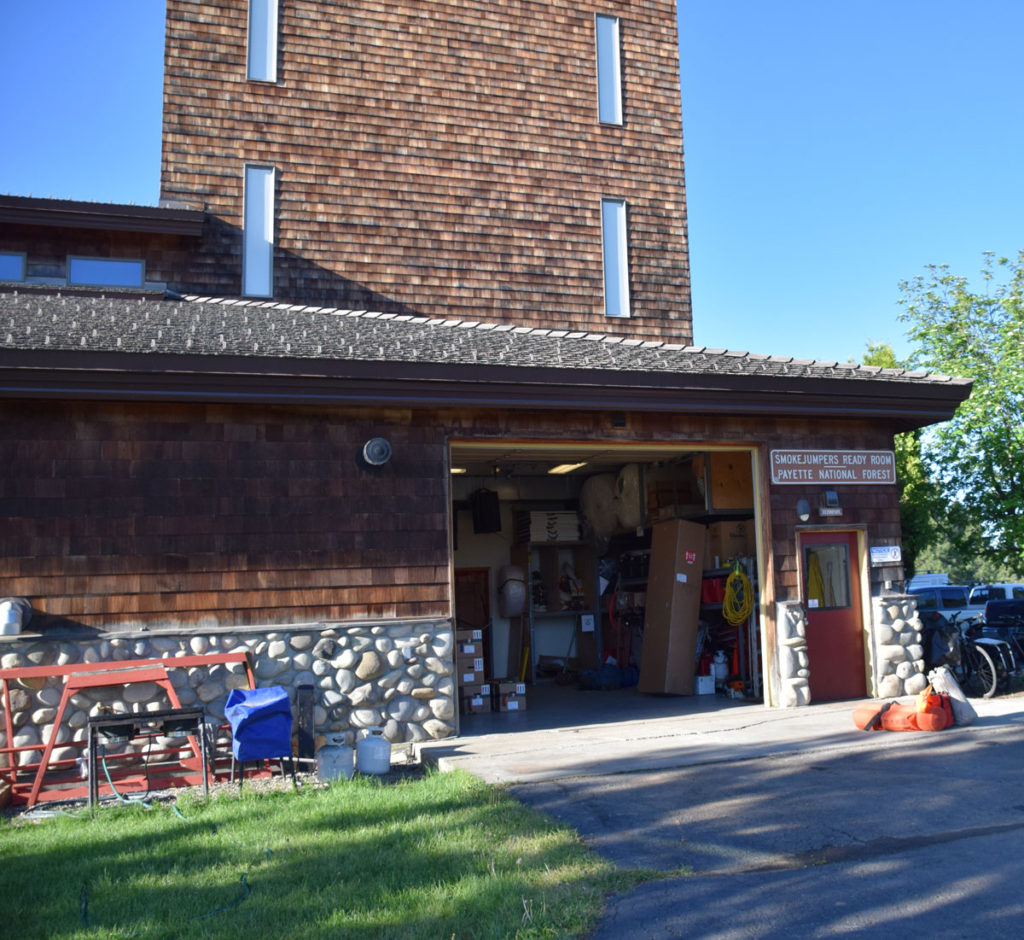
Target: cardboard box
x=469 y=636
x=704 y=685
x=508 y=687
x=726 y=540
x=509 y=696
x=466 y=663
x=468 y=677
x=475 y=700
x=673 y=608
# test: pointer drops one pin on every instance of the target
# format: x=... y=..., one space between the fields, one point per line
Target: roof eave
x=266 y=380
x=64 y=213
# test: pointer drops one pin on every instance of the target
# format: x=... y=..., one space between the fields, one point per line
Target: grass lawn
x=443 y=856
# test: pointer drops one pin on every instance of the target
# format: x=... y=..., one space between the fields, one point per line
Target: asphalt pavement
x=766 y=823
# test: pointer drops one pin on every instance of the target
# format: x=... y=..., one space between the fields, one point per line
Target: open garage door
x=566 y=534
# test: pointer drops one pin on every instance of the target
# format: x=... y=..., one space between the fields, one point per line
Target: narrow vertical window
x=609 y=71
x=262 y=65
x=258 y=233
x=616 y=258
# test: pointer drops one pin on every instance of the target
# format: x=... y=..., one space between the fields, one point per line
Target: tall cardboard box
x=669 y=658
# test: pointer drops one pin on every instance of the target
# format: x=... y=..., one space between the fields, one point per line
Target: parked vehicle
x=981 y=594
x=947 y=600
x=982 y=664
x=931 y=579
x=1004 y=620
x=1004 y=611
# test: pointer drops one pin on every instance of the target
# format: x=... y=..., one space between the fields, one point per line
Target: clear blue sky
x=833 y=148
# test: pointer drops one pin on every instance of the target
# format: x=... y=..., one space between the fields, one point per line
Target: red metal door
x=835 y=629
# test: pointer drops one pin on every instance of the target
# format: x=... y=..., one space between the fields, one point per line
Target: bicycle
x=981 y=664
x=1012 y=633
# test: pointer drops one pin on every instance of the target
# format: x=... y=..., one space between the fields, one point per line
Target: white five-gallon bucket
x=15 y=612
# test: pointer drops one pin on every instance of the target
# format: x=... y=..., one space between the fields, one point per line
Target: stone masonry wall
x=897 y=655
x=791 y=667
x=398 y=676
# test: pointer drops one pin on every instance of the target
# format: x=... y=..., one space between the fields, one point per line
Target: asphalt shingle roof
x=113 y=321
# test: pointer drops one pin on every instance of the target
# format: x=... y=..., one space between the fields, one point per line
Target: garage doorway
x=569 y=525
x=831 y=577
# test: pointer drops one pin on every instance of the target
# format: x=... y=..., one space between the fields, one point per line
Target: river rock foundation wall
x=396 y=676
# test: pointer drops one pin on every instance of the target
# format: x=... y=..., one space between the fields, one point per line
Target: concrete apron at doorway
x=570 y=733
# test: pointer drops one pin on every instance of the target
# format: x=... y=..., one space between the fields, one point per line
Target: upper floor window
x=616 y=257
x=106 y=272
x=262 y=64
x=258 y=232
x=12 y=266
x=609 y=70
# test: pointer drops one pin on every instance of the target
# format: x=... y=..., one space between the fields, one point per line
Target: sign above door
x=833 y=466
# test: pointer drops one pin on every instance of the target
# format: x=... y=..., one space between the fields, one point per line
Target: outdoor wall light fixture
x=803 y=510
x=377 y=451
x=829 y=504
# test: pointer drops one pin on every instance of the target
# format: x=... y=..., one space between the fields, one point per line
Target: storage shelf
x=546 y=559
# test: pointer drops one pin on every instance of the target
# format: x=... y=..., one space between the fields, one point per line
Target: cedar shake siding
x=437 y=158
x=48 y=231
x=120 y=515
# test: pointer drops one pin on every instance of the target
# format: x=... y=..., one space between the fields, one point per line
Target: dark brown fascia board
x=158 y=377
x=65 y=213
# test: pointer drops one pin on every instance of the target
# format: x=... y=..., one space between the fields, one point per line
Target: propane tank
x=334 y=759
x=373 y=752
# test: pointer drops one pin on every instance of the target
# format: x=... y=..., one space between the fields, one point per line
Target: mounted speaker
x=376 y=451
x=486 y=509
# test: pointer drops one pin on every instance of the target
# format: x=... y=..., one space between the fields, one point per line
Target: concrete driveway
x=770 y=823
x=570 y=733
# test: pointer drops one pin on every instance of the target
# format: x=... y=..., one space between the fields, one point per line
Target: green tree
x=922 y=507
x=977 y=458
x=957 y=550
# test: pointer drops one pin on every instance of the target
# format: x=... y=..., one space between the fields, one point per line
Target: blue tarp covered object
x=261 y=723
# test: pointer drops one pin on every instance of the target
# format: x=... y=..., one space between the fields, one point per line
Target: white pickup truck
x=981 y=594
